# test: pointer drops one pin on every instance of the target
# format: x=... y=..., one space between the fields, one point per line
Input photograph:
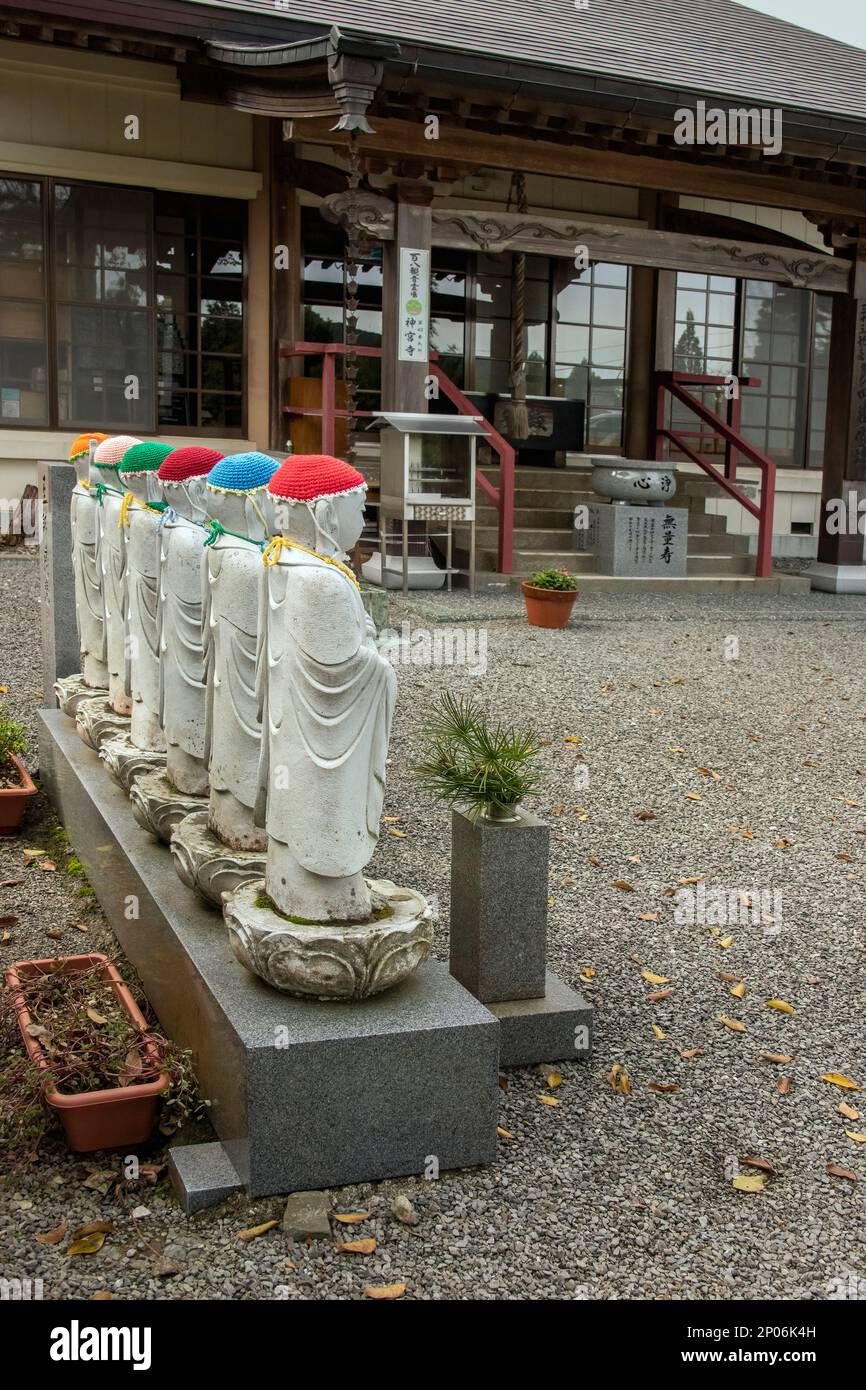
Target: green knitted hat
x=144 y=458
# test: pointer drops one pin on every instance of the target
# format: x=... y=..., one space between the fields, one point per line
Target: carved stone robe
x=326 y=701
x=89 y=611
x=182 y=695
x=231 y=574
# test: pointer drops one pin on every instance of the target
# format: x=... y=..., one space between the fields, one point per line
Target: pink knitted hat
x=110 y=452
x=310 y=477
x=192 y=461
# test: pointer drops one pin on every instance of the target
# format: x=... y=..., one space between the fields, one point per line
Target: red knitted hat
x=309 y=477
x=193 y=461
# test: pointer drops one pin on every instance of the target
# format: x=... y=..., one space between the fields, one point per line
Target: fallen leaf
x=87 y=1245
x=836 y=1078
x=398 y=834
x=52 y=1237
x=730 y=979
x=351 y=1218
x=573 y=738
x=655 y=979
x=9 y=920
x=750 y=1161
x=848 y=1111
x=95 y=1016
x=659 y=995
x=358 y=1247
x=783 y=1085
x=93 y=1228
x=858 y=1138
x=81 y=926
x=553 y=1080
x=726 y=941
x=644 y=815
x=733 y=1023
x=781 y=844
x=693 y=796
x=658 y=1032
x=708 y=772
x=623 y=886
x=836 y=1171
x=781 y=1006
x=749 y=1182
x=846 y=858
x=48 y=866
x=648 y=916
x=55 y=935
x=384 y=1291
x=691 y=1052
x=252 y=1231
x=101 y=1296
x=547 y=1100
x=618 y=1078
x=504 y=1133
x=781 y=1057
x=660 y=1086
x=738 y=991
x=14 y=882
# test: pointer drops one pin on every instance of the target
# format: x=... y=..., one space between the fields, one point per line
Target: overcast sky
x=841 y=19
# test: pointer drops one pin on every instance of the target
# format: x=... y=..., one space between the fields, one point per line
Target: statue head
x=106 y=457
x=138 y=469
x=238 y=497
x=183 y=476
x=319 y=503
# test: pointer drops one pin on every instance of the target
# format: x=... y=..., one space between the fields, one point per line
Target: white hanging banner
x=414 y=305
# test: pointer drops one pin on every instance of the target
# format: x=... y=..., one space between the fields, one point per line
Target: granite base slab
x=303 y=1094
x=636 y=542
x=557 y=1028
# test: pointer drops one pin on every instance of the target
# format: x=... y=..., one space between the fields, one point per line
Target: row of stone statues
x=231 y=682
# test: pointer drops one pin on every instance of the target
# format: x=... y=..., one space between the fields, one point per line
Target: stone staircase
x=544 y=504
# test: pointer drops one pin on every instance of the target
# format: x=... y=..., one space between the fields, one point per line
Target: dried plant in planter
x=81 y=1040
x=483 y=769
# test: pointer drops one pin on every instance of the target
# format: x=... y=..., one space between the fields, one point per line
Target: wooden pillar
x=258 y=347
x=285 y=282
x=403 y=383
x=639 y=404
x=844 y=474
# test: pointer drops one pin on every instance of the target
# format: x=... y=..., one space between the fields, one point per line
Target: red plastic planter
x=548 y=607
x=119 y=1118
x=13 y=800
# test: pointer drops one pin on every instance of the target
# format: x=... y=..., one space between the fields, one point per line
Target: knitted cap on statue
x=242 y=473
x=191 y=461
x=81 y=444
x=112 y=451
x=144 y=458
x=313 y=477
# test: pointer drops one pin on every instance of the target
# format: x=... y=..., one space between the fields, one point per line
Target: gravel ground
x=605 y=1195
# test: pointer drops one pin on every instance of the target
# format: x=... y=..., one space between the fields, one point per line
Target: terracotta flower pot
x=118 y=1118
x=548 y=607
x=13 y=800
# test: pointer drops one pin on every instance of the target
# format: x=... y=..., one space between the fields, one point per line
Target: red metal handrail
x=501 y=497
x=735 y=443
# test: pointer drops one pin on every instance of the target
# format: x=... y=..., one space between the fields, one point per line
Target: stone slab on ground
x=307 y=1216
x=557 y=1028
x=201 y=1175
x=302 y=1094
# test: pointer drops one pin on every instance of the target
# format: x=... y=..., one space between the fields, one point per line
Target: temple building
x=618 y=230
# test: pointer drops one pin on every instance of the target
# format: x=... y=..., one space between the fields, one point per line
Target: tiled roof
x=709 y=47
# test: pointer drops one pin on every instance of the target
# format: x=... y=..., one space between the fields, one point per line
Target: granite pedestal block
x=302 y=1094
x=557 y=1028
x=499 y=905
x=201 y=1175
x=60 y=652
x=636 y=542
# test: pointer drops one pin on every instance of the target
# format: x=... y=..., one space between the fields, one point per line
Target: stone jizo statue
x=89 y=610
x=139 y=522
x=112 y=564
x=182 y=693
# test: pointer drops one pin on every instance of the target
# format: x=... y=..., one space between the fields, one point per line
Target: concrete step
x=527 y=561
x=721 y=564
x=562 y=518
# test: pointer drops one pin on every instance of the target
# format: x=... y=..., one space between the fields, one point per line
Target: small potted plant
x=16 y=784
x=549 y=597
x=90 y=1054
x=499 y=851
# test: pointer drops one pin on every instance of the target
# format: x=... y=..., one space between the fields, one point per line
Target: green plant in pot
x=16 y=785
x=482 y=768
x=499 y=851
x=549 y=596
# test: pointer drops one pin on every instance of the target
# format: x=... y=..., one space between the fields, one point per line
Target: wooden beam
x=677 y=175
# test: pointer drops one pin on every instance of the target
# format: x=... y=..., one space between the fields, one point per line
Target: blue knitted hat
x=242 y=473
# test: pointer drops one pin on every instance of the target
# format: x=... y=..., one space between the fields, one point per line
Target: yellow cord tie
x=129 y=499
x=276 y=545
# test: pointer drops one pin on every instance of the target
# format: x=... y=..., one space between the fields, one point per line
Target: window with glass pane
x=23 y=348
x=823 y=310
x=104 y=354
x=590 y=312
x=704 y=345
x=777 y=346
x=199 y=255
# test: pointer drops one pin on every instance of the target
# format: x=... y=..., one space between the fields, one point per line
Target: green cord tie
x=217 y=530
